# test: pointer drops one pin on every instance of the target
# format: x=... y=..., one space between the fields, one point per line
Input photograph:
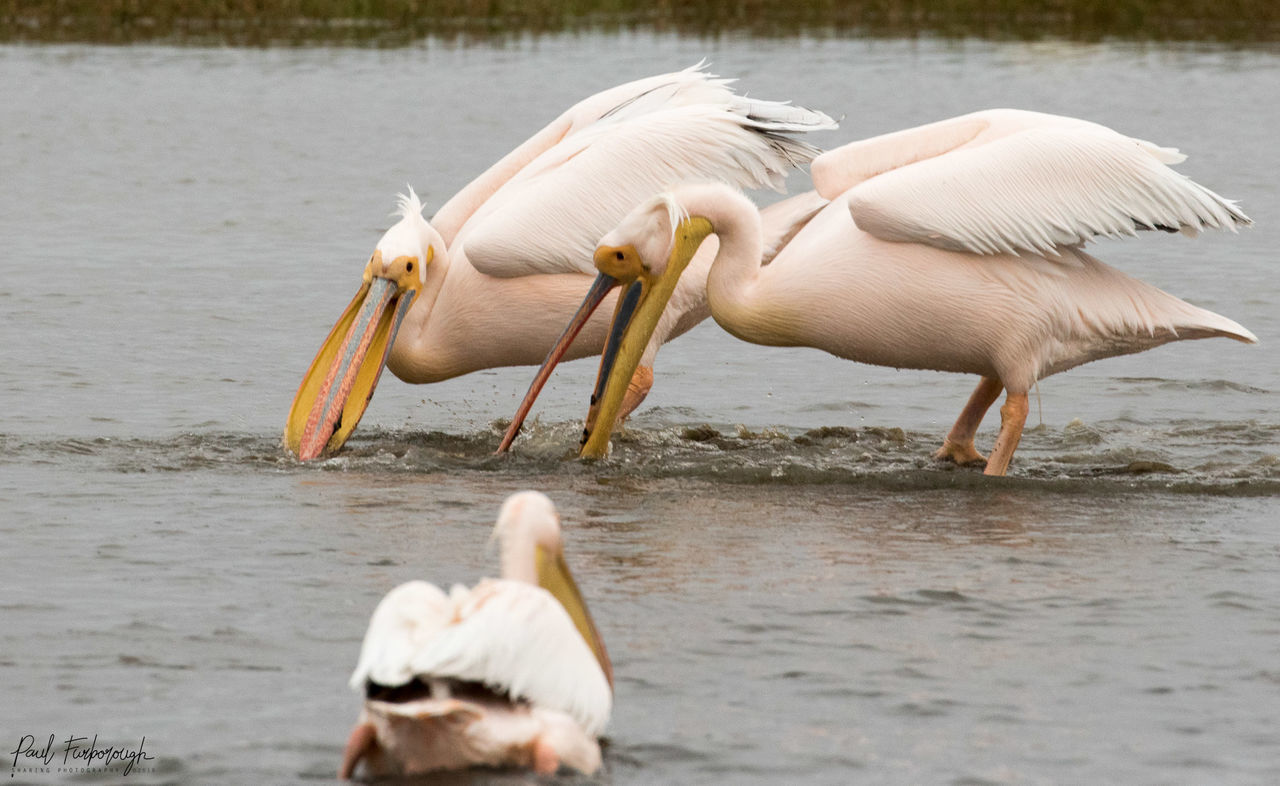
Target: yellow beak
x=554 y=577
x=337 y=387
x=631 y=330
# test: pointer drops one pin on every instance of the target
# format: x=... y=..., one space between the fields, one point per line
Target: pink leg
x=362 y=740
x=545 y=759
x=1013 y=416
x=958 y=446
x=639 y=386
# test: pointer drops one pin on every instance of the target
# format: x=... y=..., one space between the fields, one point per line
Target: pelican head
x=640 y=245
x=338 y=385
x=528 y=531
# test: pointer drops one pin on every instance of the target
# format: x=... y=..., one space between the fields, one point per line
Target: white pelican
x=954 y=246
x=494 y=275
x=508 y=673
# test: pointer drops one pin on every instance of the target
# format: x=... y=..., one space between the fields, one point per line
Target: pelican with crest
x=954 y=246
x=490 y=280
x=508 y=673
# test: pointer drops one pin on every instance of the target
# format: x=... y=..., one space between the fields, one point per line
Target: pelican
x=509 y=673
x=494 y=274
x=954 y=246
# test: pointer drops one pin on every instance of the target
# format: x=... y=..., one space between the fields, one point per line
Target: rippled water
x=791 y=590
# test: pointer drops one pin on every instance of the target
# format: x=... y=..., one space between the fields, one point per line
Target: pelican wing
x=1005 y=182
x=517 y=638
x=403 y=623
x=549 y=216
x=689 y=86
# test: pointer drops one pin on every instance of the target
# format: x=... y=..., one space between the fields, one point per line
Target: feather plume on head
x=676 y=213
x=408 y=204
x=412 y=235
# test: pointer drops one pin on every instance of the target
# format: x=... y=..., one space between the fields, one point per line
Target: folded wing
x=548 y=217
x=1008 y=182
x=404 y=622
x=516 y=638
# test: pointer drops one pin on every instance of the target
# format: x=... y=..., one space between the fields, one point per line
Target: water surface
x=791 y=590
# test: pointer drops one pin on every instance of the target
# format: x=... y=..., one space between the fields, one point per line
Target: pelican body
x=954 y=246
x=494 y=275
x=509 y=673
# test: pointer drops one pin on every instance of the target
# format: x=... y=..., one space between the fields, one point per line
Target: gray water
x=791 y=590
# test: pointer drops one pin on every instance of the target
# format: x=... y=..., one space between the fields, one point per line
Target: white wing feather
x=626 y=100
x=1045 y=186
x=512 y=636
x=404 y=622
x=1006 y=181
x=549 y=216
x=517 y=638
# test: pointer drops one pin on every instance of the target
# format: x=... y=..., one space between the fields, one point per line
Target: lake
x=790 y=589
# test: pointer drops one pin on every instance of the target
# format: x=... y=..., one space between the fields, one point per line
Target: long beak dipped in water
x=633 y=326
x=595 y=296
x=340 y=381
x=634 y=320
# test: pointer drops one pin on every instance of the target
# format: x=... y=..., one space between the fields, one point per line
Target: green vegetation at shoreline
x=397 y=22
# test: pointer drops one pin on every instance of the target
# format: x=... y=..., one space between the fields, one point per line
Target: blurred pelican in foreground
x=954 y=246
x=509 y=673
x=498 y=270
